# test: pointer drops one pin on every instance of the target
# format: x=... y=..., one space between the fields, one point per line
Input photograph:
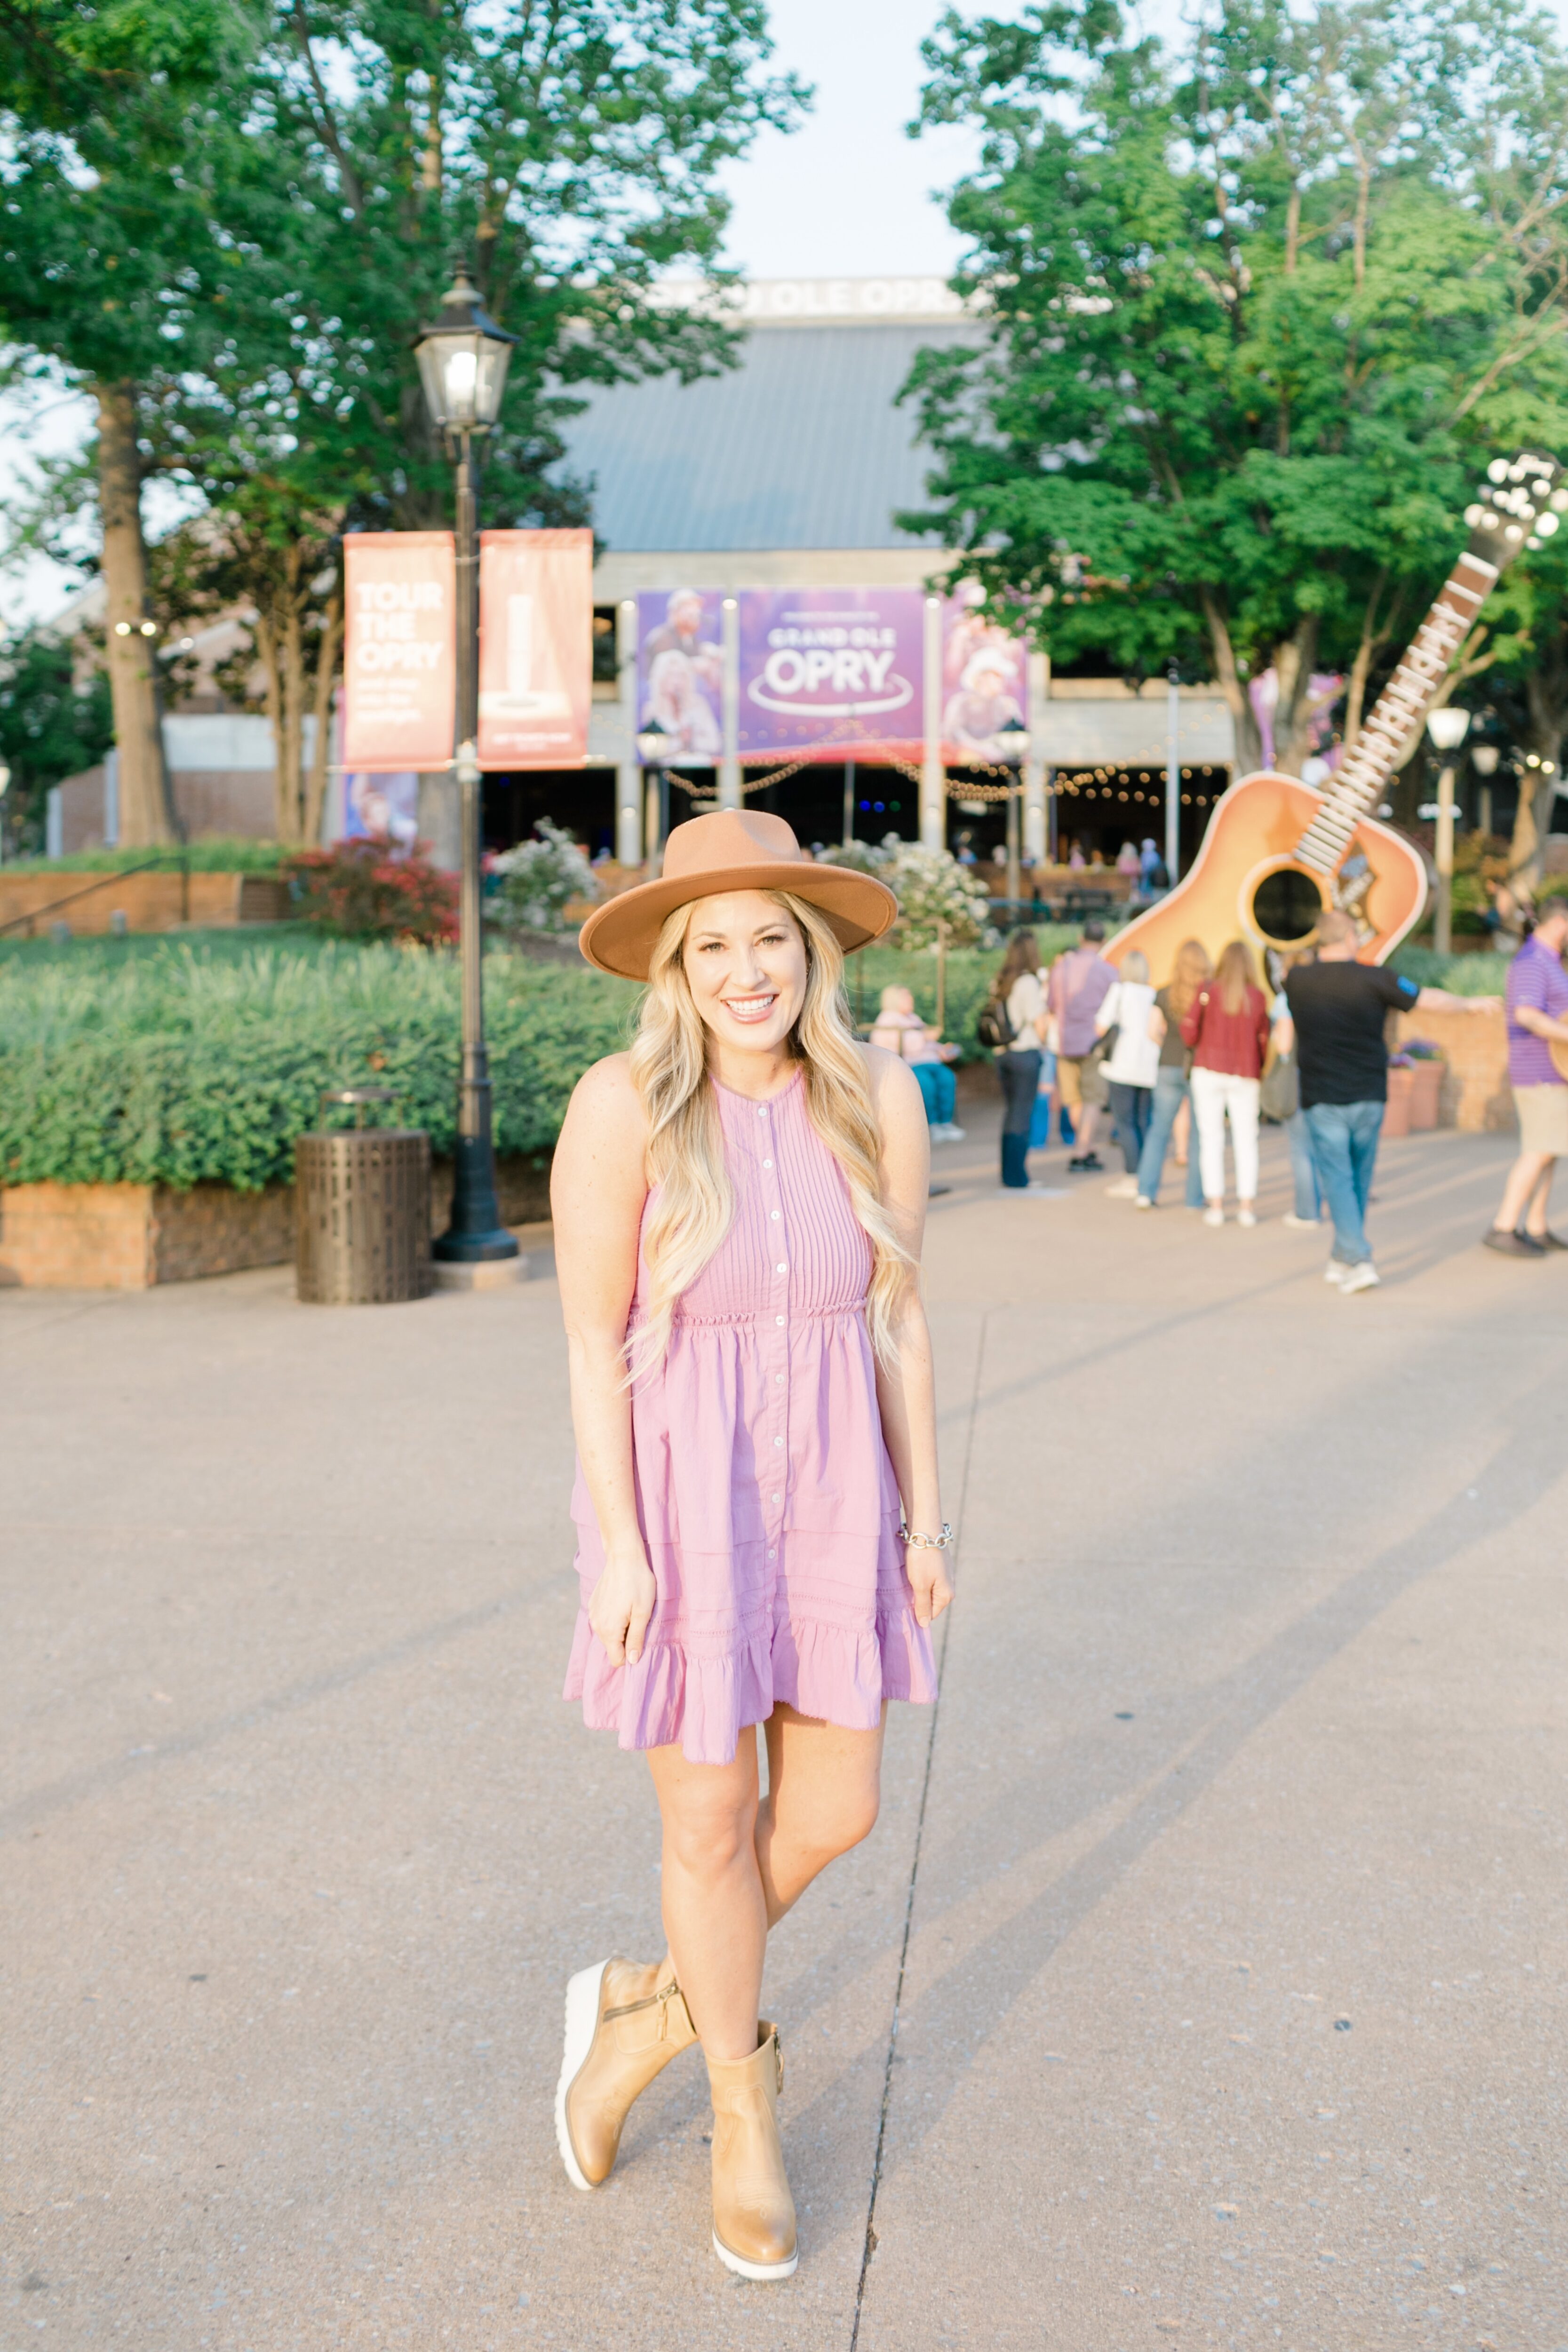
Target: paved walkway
x=1201 y=1984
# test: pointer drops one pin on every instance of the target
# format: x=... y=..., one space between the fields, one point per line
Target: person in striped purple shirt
x=1537 y=1020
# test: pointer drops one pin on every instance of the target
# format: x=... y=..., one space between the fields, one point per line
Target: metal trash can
x=361 y=1209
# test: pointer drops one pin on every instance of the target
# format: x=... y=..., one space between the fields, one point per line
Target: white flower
x=538 y=878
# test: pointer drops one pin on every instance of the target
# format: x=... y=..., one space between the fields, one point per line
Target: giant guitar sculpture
x=1277 y=851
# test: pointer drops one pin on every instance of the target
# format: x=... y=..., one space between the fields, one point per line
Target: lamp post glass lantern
x=1447 y=727
x=653 y=751
x=463 y=360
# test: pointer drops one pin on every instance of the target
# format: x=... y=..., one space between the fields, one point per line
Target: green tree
x=101 y=111
x=1261 y=309
x=300 y=228
x=1530 y=682
x=54 y=722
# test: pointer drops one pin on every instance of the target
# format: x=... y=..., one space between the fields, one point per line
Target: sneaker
x=947 y=1133
x=1086 y=1163
x=1302 y=1225
x=1548 y=1240
x=1512 y=1244
x=1124 y=1188
x=1143 y=1202
x=1041 y=1192
x=1334 y=1271
x=1365 y=1276
x=1214 y=1217
x=1245 y=1217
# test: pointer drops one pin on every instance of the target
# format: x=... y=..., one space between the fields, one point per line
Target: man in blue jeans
x=1338 y=1007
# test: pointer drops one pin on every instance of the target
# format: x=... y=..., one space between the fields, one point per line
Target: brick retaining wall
x=1476 y=1095
x=132 y=1236
x=148 y=902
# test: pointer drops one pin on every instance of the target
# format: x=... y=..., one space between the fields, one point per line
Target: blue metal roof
x=800 y=446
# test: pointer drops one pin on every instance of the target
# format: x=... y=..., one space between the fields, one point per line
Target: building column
x=934 y=776
x=730 y=794
x=629 y=774
x=1039 y=674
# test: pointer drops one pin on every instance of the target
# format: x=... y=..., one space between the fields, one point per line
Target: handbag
x=1280 y=1096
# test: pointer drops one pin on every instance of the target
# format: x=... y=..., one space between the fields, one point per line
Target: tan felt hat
x=731 y=849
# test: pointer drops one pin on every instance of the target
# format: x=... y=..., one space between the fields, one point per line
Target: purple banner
x=984 y=681
x=680 y=667
x=830 y=673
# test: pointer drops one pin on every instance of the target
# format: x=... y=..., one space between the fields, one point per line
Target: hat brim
x=620 y=936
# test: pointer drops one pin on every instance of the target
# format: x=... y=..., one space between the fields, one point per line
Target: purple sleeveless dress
x=766 y=1497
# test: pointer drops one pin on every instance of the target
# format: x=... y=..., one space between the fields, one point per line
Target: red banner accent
x=399 y=650
x=536 y=647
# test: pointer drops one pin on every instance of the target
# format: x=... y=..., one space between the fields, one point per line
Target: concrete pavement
x=1231 y=2005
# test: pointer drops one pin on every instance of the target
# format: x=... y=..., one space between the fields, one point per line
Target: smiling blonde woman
x=739 y=1207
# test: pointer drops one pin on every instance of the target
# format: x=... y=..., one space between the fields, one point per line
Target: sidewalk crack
x=870 y=2242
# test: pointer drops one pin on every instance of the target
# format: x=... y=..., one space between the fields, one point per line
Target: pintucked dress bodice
x=767 y=1501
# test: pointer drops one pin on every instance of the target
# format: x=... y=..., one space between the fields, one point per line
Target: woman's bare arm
x=906 y=1389
x=597 y=1187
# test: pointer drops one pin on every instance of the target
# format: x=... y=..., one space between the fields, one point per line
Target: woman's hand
x=929 y=1581
x=621 y=1604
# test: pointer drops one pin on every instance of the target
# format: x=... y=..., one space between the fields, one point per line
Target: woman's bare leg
x=732 y=1867
x=824 y=1789
x=714 y=1912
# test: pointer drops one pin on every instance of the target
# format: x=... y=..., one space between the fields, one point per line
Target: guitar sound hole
x=1286 y=906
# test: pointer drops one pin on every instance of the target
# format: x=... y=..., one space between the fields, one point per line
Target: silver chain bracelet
x=942 y=1542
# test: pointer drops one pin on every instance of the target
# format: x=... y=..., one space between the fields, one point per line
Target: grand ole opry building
x=783 y=474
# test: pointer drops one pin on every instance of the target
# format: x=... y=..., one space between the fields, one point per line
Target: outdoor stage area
x=1203 y=1983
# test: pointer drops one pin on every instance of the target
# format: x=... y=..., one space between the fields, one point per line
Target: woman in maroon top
x=1227 y=1026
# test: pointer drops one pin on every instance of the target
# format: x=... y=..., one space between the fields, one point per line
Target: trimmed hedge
x=237 y=854
x=184 y=1071
x=185 y=1066
x=1462 y=975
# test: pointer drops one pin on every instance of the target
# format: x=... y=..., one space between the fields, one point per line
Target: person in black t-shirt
x=1338 y=1007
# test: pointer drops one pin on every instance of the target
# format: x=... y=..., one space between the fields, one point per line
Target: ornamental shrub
x=538 y=879
x=362 y=890
x=931 y=885
x=181 y=1070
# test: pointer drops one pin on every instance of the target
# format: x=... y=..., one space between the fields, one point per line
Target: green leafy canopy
x=1260 y=308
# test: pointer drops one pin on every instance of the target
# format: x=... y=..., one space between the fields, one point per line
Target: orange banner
x=536 y=647
x=399 y=650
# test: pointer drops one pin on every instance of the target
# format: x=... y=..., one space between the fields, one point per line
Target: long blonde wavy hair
x=695 y=1204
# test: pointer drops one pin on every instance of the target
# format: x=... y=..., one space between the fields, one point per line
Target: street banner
x=984 y=681
x=680 y=672
x=831 y=673
x=399 y=659
x=536 y=647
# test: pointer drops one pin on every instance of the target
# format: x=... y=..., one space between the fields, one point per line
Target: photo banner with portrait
x=381 y=804
x=536 y=641
x=984 y=681
x=399 y=651
x=680 y=672
x=831 y=673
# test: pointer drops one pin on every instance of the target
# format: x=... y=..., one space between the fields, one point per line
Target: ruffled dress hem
x=828 y=1672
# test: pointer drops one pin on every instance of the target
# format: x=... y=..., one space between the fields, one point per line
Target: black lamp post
x=1012 y=742
x=463 y=362
x=652 y=751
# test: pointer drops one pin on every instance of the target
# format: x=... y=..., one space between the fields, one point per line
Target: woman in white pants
x=1226 y=1026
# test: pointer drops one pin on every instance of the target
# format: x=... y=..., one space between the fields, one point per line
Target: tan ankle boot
x=623 y=2027
x=753 y=2212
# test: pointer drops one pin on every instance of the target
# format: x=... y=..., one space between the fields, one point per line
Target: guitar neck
x=1358 y=781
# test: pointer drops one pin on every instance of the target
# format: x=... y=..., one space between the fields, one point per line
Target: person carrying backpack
x=1013 y=1024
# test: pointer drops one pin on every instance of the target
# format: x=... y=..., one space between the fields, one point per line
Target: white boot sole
x=582 y=2021
x=762 y=2271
